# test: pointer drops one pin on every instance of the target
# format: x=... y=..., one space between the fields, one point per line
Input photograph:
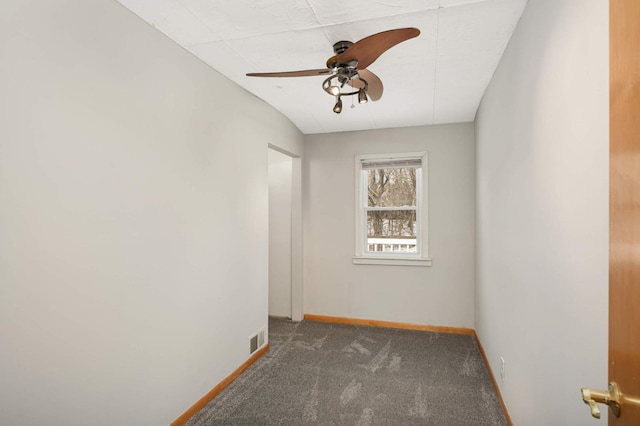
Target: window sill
x=394 y=261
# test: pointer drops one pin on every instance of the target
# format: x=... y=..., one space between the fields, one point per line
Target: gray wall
x=133 y=218
x=442 y=294
x=542 y=221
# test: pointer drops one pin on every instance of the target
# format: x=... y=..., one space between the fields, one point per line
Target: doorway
x=281 y=208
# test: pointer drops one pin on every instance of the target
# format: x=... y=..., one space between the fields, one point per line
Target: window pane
x=391 y=231
x=394 y=187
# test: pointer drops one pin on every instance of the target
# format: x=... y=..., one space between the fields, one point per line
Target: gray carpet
x=332 y=374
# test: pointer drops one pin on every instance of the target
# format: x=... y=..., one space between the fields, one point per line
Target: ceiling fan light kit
x=342 y=78
x=348 y=66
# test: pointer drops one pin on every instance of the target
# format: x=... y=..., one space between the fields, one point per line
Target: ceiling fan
x=349 y=66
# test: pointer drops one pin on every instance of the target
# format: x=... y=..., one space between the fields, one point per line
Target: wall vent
x=257 y=340
x=253 y=344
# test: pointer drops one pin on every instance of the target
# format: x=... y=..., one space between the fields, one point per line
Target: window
x=391 y=226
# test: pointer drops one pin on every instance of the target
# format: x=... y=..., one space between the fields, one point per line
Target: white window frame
x=421 y=257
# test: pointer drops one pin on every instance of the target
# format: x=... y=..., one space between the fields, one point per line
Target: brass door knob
x=593 y=397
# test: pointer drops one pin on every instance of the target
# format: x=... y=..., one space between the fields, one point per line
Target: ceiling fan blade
x=374 y=91
x=370 y=48
x=303 y=73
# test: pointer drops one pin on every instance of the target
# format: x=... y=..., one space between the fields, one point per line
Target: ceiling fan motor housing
x=341 y=46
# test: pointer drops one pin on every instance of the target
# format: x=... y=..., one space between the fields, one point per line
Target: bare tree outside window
x=391 y=209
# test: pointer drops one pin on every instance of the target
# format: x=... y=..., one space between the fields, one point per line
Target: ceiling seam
x=315 y=15
x=195 y=16
x=319 y=26
x=325 y=26
x=435 y=68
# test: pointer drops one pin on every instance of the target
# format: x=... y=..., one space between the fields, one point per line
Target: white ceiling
x=438 y=77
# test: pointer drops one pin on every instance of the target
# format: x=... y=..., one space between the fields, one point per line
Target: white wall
x=133 y=218
x=542 y=219
x=280 y=187
x=439 y=295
